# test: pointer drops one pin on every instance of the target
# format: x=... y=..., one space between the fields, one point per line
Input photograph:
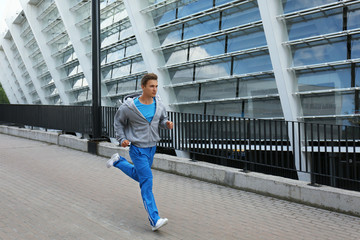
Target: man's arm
x=120 y=122
x=164 y=121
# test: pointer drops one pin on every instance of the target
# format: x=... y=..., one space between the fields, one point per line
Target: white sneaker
x=161 y=222
x=113 y=159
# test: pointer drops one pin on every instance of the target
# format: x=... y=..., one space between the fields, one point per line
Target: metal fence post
x=96 y=77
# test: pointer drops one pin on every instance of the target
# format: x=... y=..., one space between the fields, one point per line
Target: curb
x=330 y=198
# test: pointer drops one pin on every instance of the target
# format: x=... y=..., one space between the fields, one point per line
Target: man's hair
x=147 y=77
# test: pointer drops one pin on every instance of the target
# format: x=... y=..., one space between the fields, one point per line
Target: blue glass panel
x=196 y=108
x=257 y=86
x=127 y=86
x=313 y=25
x=240 y=15
x=200 y=51
x=319 y=53
x=332 y=104
x=186 y=94
x=165 y=17
x=181 y=75
x=175 y=55
x=354 y=16
x=324 y=79
x=225 y=109
x=106 y=73
x=114 y=56
x=138 y=67
x=201 y=26
x=220 y=2
x=252 y=64
x=132 y=50
x=218 y=90
x=265 y=108
x=296 y=5
x=194 y=7
x=121 y=71
x=246 y=39
x=355 y=46
x=214 y=70
x=170 y=35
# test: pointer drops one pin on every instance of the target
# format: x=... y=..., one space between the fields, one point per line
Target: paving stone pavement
x=53 y=192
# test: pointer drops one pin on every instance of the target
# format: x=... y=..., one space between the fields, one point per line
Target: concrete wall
x=324 y=197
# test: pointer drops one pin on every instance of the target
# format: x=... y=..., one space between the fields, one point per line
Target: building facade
x=282 y=59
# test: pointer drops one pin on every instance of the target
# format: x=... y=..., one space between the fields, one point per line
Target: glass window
x=354 y=16
x=165 y=17
x=195 y=108
x=110 y=39
x=218 y=90
x=250 y=64
x=107 y=21
x=220 y=2
x=138 y=67
x=132 y=50
x=194 y=7
x=296 y=5
x=127 y=86
x=265 y=108
x=170 y=35
x=114 y=56
x=330 y=104
x=201 y=26
x=120 y=15
x=127 y=32
x=257 y=86
x=186 y=94
x=176 y=55
x=112 y=88
x=240 y=15
x=309 y=53
x=210 y=48
x=121 y=71
x=181 y=75
x=214 y=70
x=82 y=96
x=355 y=46
x=246 y=39
x=330 y=78
x=313 y=25
x=225 y=109
x=106 y=73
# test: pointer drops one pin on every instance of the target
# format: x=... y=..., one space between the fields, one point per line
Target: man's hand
x=125 y=143
x=169 y=124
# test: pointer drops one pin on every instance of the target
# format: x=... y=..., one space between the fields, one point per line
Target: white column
x=11 y=79
x=16 y=70
x=281 y=58
x=7 y=87
x=147 y=42
x=15 y=31
x=31 y=13
x=80 y=48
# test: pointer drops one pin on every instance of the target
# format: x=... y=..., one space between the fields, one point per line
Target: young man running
x=137 y=121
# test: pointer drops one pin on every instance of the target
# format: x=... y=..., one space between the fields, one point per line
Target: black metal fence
x=66 y=118
x=319 y=153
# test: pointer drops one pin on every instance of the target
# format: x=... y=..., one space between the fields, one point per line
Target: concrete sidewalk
x=53 y=192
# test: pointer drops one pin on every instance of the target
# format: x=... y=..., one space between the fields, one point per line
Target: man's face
x=150 y=89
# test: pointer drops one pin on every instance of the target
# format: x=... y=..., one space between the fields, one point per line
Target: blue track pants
x=141 y=172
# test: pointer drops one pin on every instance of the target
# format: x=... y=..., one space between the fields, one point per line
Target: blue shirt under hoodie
x=147 y=110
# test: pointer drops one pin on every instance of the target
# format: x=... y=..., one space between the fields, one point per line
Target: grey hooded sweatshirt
x=131 y=125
